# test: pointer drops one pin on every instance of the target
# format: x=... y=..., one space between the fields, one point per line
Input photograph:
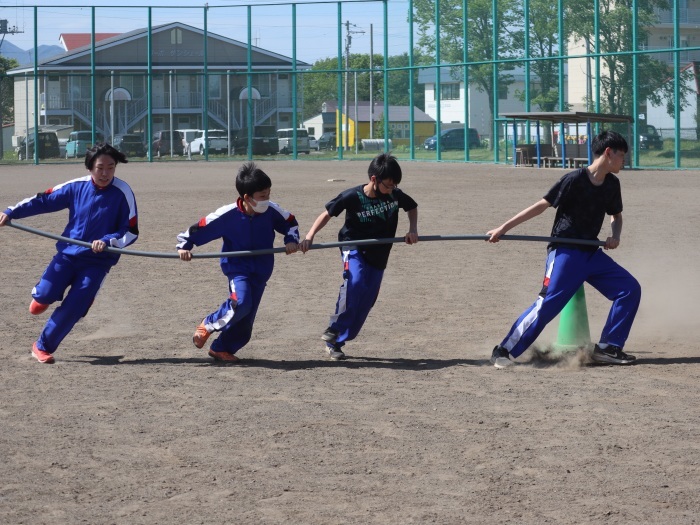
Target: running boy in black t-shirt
x=371 y=212
x=582 y=199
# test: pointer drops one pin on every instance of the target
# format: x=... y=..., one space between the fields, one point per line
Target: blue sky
x=316 y=26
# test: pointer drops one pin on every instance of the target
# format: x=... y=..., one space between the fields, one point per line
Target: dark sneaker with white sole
x=335 y=353
x=330 y=335
x=612 y=355
x=501 y=358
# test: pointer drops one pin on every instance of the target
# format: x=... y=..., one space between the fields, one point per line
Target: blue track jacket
x=242 y=232
x=107 y=214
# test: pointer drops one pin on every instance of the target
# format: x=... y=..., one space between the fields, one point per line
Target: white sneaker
x=335 y=353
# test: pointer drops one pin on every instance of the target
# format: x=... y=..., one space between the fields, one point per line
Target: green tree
x=480 y=27
x=322 y=84
x=544 y=43
x=615 y=35
x=7 y=90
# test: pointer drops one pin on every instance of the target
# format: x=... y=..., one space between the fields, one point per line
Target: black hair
x=103 y=148
x=608 y=139
x=250 y=179
x=385 y=166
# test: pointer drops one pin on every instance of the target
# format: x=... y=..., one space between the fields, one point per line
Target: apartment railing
x=686 y=16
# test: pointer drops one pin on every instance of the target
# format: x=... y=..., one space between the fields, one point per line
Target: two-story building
x=187 y=76
x=454 y=102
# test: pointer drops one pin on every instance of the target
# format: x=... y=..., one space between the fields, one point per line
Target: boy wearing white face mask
x=248 y=224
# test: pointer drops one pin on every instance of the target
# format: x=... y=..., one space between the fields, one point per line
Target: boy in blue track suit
x=102 y=211
x=248 y=224
x=582 y=198
x=371 y=212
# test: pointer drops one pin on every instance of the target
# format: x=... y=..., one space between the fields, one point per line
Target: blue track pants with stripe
x=566 y=270
x=235 y=317
x=358 y=293
x=85 y=280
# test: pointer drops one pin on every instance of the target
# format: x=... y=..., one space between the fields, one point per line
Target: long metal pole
x=111 y=106
x=228 y=110
x=36 y=92
x=170 y=111
x=93 y=80
x=371 y=81
x=363 y=242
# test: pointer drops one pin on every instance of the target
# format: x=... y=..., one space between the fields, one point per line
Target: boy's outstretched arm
x=525 y=215
x=318 y=224
x=412 y=236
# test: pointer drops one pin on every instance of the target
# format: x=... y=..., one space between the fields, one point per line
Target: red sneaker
x=223 y=356
x=42 y=356
x=201 y=334
x=37 y=308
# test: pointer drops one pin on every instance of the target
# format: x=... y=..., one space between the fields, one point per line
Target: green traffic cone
x=573 y=324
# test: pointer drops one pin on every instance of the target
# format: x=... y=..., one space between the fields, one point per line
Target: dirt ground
x=134 y=425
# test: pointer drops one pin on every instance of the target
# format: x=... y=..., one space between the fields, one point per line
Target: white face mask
x=260 y=206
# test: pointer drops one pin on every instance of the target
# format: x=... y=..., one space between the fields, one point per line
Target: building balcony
x=685 y=16
x=666 y=56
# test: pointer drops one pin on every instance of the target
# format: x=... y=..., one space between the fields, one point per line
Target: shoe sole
x=608 y=360
x=198 y=342
x=218 y=359
x=502 y=362
x=340 y=356
x=48 y=361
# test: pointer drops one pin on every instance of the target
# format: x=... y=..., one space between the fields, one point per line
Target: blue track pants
x=85 y=280
x=566 y=270
x=235 y=317
x=358 y=293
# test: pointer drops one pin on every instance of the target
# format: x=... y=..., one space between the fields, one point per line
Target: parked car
x=453 y=138
x=79 y=142
x=326 y=141
x=161 y=143
x=217 y=142
x=650 y=138
x=187 y=138
x=285 y=138
x=48 y=146
x=313 y=143
x=130 y=144
x=264 y=141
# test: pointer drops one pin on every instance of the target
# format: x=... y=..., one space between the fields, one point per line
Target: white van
x=187 y=138
x=285 y=138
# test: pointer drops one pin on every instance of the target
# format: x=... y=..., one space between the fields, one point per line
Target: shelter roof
x=569 y=117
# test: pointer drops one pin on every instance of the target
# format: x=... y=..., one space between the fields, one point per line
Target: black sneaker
x=330 y=335
x=501 y=358
x=612 y=355
x=335 y=353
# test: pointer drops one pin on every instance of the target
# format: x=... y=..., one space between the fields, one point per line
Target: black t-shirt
x=581 y=206
x=370 y=218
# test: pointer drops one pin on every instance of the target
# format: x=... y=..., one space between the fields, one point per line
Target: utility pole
x=5 y=29
x=348 y=40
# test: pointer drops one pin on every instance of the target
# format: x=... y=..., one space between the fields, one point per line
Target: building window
x=214 y=86
x=449 y=91
x=502 y=92
x=176 y=36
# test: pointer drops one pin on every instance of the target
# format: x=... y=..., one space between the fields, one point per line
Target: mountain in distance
x=25 y=58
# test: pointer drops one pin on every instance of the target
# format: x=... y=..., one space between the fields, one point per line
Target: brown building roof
x=72 y=41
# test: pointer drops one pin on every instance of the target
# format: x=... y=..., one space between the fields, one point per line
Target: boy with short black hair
x=371 y=212
x=582 y=198
x=248 y=224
